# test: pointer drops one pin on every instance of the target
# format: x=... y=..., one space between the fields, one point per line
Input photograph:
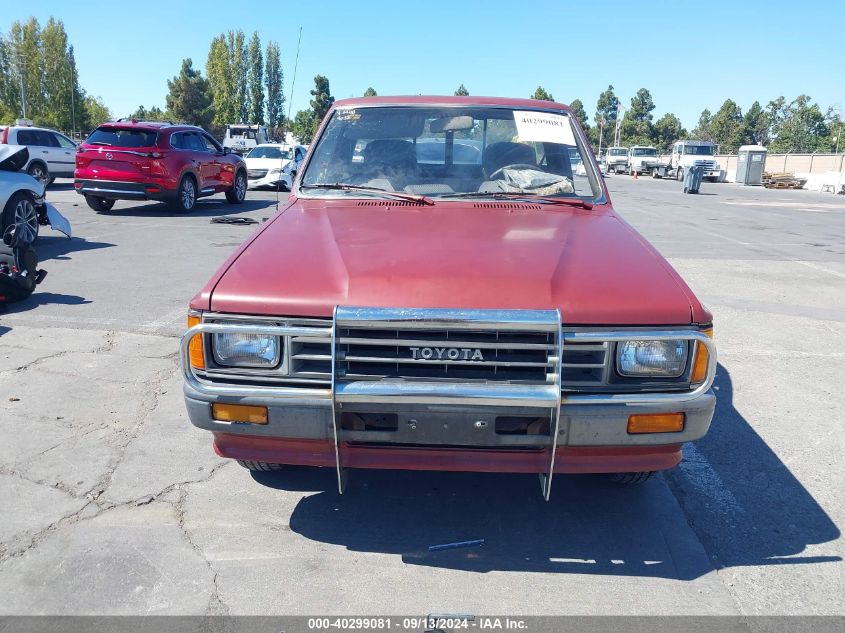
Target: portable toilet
x=750 y=164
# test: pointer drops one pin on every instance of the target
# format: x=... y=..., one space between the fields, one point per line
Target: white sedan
x=22 y=196
x=273 y=165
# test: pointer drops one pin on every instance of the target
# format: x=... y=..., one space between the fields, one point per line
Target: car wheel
x=186 y=195
x=260 y=467
x=20 y=209
x=631 y=478
x=679 y=174
x=39 y=172
x=237 y=193
x=100 y=205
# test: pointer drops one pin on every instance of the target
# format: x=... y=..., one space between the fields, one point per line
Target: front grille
x=255 y=174
x=365 y=353
x=707 y=164
x=444 y=354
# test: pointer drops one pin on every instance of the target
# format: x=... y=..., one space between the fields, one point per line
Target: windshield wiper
x=519 y=195
x=401 y=195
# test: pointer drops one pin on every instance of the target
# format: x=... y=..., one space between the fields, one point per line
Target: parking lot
x=113 y=503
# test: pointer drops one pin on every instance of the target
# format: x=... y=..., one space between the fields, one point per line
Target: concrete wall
x=795 y=163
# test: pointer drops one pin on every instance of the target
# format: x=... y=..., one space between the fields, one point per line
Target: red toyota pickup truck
x=443 y=292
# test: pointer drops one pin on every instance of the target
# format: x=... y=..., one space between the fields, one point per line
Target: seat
x=501 y=154
x=393 y=159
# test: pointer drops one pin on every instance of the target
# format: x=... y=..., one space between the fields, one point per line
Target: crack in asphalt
x=216 y=605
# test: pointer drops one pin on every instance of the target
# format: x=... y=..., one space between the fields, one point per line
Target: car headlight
x=665 y=359
x=246 y=350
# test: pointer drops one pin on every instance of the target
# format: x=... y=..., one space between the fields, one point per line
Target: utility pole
x=72 y=105
x=23 y=90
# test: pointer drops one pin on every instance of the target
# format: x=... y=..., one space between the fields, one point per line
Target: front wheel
x=186 y=195
x=100 y=205
x=20 y=210
x=679 y=174
x=237 y=193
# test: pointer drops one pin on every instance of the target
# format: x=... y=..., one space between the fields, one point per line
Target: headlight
x=275 y=170
x=246 y=350
x=666 y=359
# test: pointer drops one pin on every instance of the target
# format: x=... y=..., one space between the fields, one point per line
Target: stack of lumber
x=782 y=180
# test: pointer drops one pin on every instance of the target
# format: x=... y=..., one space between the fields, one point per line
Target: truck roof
x=450 y=100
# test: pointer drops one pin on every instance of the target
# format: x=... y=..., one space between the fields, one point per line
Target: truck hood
x=317 y=254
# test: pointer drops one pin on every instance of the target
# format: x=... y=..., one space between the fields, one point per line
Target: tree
x=218 y=71
x=255 y=80
x=235 y=43
x=462 y=91
x=667 y=130
x=755 y=125
x=726 y=127
x=702 y=131
x=188 y=99
x=370 y=92
x=274 y=81
x=303 y=126
x=61 y=92
x=322 y=100
x=800 y=127
x=607 y=108
x=96 y=111
x=577 y=108
x=636 y=127
x=541 y=95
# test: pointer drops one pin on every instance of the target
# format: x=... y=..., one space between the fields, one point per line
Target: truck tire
x=654 y=173
x=679 y=174
x=260 y=467
x=631 y=478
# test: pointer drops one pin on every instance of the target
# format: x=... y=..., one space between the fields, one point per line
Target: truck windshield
x=449 y=151
x=700 y=150
x=645 y=151
x=617 y=151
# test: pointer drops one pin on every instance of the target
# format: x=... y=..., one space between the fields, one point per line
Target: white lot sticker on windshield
x=543 y=127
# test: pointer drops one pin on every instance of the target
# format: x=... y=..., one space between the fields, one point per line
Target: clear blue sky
x=711 y=50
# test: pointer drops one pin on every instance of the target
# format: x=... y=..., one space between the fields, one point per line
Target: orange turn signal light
x=195 y=351
x=239 y=413
x=656 y=423
x=699 y=368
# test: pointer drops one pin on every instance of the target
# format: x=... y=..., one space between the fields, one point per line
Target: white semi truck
x=685 y=154
x=616 y=159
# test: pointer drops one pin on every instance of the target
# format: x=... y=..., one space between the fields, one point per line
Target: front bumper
x=449 y=425
x=270 y=180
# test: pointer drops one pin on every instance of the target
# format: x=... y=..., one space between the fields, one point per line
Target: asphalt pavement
x=112 y=503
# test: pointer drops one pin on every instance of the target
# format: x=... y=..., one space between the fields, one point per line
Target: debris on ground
x=455 y=545
x=227 y=220
x=782 y=180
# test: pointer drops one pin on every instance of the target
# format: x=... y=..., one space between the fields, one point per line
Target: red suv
x=142 y=160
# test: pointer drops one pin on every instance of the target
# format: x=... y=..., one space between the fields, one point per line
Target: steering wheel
x=497 y=175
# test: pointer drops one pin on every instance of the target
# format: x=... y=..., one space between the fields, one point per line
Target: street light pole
x=23 y=91
x=72 y=105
